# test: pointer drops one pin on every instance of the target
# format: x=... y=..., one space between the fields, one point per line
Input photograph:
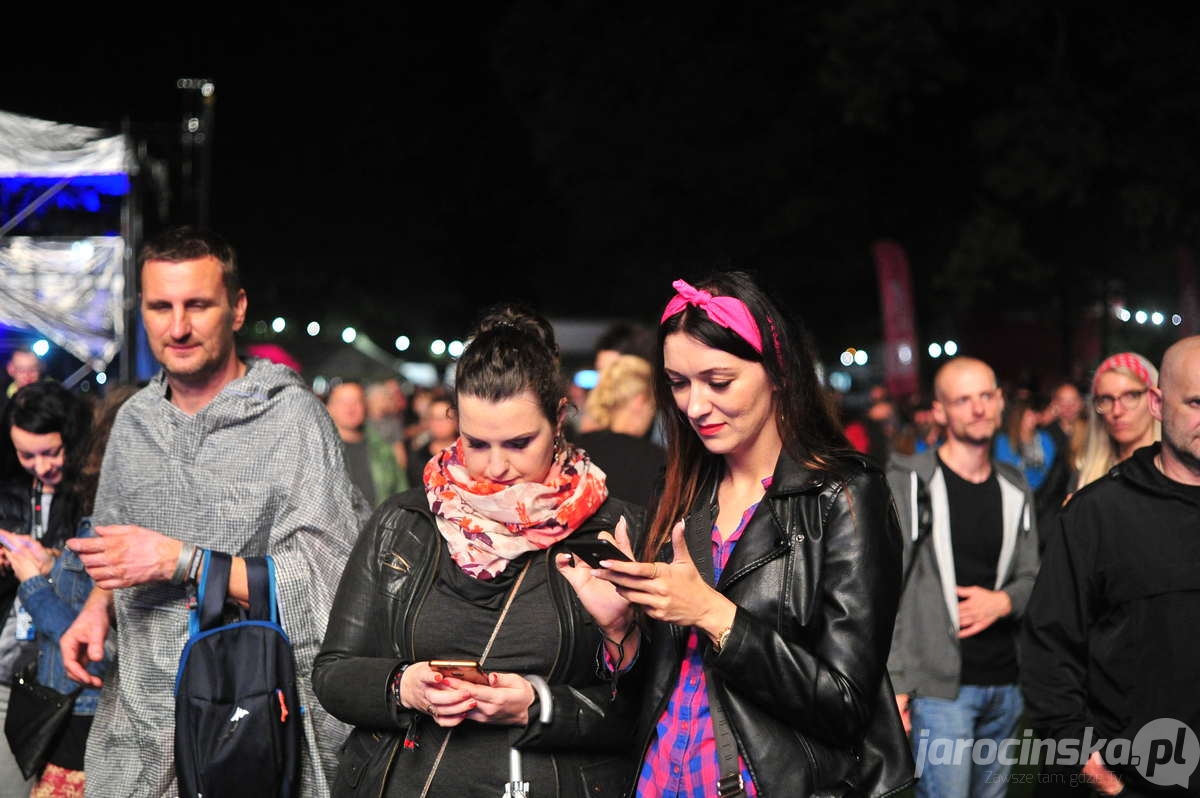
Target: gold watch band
x=722 y=639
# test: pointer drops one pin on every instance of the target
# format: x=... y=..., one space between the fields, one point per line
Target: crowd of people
x=788 y=600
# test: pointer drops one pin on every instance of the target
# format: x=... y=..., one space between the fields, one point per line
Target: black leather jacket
x=816 y=577
x=393 y=566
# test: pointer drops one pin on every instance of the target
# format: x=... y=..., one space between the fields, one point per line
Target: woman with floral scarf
x=465 y=567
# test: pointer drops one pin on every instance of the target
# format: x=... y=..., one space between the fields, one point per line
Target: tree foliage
x=1025 y=154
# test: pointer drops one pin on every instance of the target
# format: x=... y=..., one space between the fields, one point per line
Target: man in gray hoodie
x=954 y=653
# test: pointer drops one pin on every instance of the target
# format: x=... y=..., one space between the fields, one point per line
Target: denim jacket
x=54 y=600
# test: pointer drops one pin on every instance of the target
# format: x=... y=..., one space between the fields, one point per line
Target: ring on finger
x=431 y=710
x=654 y=571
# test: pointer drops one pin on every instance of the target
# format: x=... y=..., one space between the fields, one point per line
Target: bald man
x=954 y=652
x=1109 y=645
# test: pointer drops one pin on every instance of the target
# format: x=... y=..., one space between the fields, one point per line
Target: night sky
x=402 y=168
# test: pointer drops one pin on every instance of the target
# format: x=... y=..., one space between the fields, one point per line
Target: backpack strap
x=261 y=582
x=274 y=590
x=211 y=592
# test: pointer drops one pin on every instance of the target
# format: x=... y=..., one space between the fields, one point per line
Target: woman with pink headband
x=765 y=596
x=1119 y=419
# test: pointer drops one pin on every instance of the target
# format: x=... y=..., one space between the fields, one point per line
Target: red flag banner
x=899 y=325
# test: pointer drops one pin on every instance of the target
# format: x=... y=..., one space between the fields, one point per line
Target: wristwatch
x=721 y=640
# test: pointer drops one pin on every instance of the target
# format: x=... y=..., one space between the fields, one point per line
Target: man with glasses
x=1110 y=642
x=954 y=655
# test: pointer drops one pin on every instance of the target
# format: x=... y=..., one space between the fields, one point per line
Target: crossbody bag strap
x=729 y=781
x=512 y=594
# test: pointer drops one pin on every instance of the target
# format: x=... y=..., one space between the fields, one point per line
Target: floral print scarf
x=486 y=524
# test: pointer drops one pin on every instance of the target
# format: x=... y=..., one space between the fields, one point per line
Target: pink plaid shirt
x=683 y=761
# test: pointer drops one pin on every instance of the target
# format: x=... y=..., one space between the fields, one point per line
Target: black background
x=400 y=168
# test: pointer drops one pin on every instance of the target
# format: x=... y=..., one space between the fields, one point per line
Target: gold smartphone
x=466 y=669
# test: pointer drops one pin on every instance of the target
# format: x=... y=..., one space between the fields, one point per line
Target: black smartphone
x=593 y=551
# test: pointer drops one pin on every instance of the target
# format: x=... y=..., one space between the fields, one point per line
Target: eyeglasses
x=1129 y=400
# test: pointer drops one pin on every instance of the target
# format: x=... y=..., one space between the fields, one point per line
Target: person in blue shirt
x=1022 y=444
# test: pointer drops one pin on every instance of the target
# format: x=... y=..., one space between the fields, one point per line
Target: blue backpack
x=238 y=728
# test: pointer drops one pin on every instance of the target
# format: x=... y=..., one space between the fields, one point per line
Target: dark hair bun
x=512 y=350
x=518 y=320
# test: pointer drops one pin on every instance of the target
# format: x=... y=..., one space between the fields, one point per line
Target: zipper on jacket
x=566 y=627
x=397 y=563
x=420 y=593
x=387 y=770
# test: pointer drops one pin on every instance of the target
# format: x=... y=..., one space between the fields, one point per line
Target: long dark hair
x=807 y=424
x=46 y=407
x=512 y=350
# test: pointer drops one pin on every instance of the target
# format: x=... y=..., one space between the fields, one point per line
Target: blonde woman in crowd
x=620 y=411
x=1119 y=420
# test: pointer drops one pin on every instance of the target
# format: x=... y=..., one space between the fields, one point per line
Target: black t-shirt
x=977 y=532
x=631 y=465
x=455 y=621
x=358 y=463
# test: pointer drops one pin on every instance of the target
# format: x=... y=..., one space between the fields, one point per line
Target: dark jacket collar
x=764 y=535
x=1140 y=470
x=792 y=476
